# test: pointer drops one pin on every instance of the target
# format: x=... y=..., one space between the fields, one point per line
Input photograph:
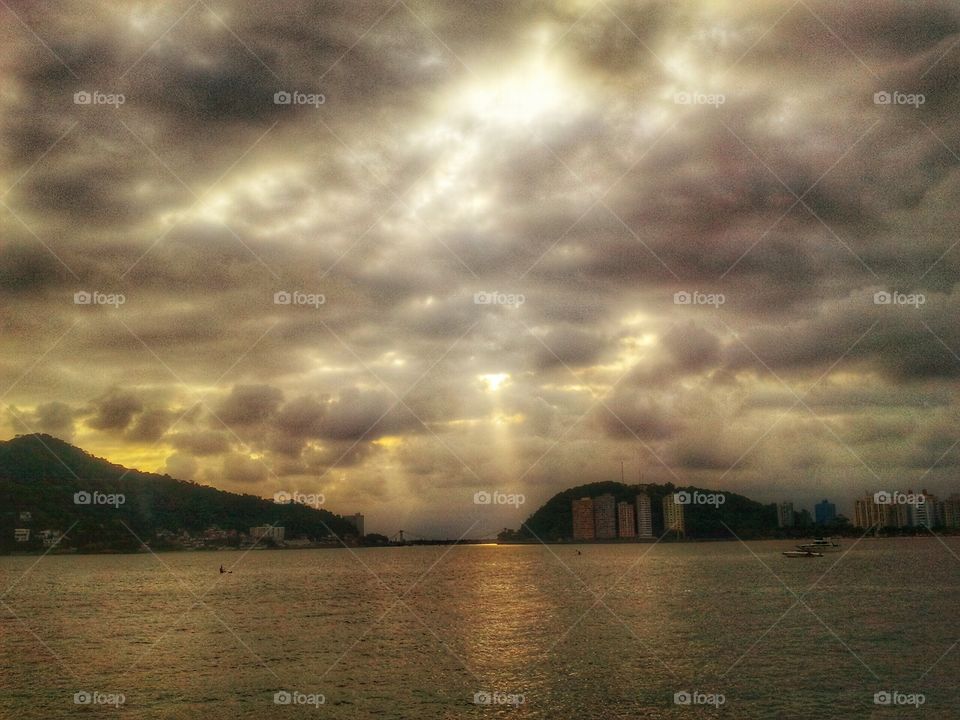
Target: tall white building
x=644 y=516
x=673 y=516
x=785 y=514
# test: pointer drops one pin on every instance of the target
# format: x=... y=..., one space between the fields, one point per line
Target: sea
x=669 y=630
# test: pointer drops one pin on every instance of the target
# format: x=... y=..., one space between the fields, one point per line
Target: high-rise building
x=357 y=521
x=583 y=519
x=673 y=520
x=867 y=512
x=644 y=516
x=605 y=517
x=951 y=511
x=626 y=524
x=824 y=512
x=785 y=514
x=930 y=512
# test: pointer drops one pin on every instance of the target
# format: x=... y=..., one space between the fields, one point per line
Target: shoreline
x=422 y=543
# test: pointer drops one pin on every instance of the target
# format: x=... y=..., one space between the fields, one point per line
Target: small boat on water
x=821 y=545
x=801 y=553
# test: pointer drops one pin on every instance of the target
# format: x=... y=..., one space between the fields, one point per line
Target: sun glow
x=493 y=381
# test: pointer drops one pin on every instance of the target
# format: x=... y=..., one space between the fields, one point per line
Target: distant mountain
x=746 y=517
x=40 y=474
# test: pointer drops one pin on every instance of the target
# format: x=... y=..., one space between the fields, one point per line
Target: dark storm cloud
x=504 y=147
x=115 y=410
x=243 y=470
x=692 y=347
x=633 y=415
x=200 y=443
x=55 y=418
x=151 y=425
x=249 y=404
x=569 y=347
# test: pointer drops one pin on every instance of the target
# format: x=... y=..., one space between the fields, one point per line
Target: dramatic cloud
x=400 y=253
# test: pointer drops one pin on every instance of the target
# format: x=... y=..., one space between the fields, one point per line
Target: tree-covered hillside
x=745 y=517
x=39 y=474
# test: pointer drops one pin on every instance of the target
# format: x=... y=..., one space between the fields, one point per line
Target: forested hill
x=40 y=474
x=745 y=517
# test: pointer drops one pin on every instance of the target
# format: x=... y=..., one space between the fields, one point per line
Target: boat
x=801 y=553
x=821 y=545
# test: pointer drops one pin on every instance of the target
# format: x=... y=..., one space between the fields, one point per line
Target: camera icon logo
x=282 y=298
x=681 y=498
x=682 y=698
x=482 y=497
x=282 y=497
x=882 y=498
x=881 y=98
x=82 y=97
x=882 y=297
x=882 y=698
x=82 y=498
x=82 y=298
x=682 y=98
x=482 y=698
x=82 y=698
x=282 y=697
x=282 y=97
x=682 y=298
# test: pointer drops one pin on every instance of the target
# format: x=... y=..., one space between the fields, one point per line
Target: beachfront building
x=357 y=521
x=626 y=524
x=929 y=513
x=785 y=514
x=867 y=512
x=644 y=516
x=673 y=519
x=267 y=532
x=583 y=519
x=951 y=511
x=605 y=517
x=824 y=512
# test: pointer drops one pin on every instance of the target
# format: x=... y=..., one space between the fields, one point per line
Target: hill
x=746 y=517
x=40 y=474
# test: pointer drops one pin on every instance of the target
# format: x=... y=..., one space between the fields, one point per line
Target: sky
x=396 y=253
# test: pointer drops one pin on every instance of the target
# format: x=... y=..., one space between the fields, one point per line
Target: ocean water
x=539 y=632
